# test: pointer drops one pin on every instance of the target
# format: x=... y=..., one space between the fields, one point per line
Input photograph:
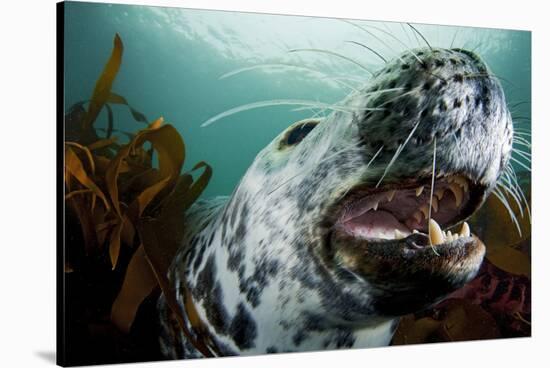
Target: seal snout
x=442 y=95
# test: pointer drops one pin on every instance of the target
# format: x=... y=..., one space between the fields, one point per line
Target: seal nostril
x=427 y=86
x=457 y=103
x=458 y=78
x=405 y=66
x=439 y=63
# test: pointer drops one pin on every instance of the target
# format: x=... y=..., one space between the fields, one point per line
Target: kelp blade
x=102 y=89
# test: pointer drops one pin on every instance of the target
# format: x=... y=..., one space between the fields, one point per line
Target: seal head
x=367 y=195
x=342 y=224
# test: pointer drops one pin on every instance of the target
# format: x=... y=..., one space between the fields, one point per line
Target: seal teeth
x=419 y=190
x=465 y=230
x=458 y=193
x=436 y=235
x=461 y=181
x=435 y=204
x=390 y=195
x=399 y=234
x=425 y=211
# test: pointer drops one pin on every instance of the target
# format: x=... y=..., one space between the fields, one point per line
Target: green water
x=173 y=59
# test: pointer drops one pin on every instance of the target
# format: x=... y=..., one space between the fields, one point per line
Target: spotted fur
x=260 y=276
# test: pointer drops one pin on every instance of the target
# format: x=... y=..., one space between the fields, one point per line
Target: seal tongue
x=379 y=225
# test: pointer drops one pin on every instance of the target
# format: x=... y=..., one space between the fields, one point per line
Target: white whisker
x=514 y=179
x=421 y=35
x=405 y=33
x=513 y=195
x=454 y=38
x=503 y=200
x=397 y=153
x=521 y=141
x=375 y=37
x=370 y=49
x=269 y=103
x=519 y=131
x=516 y=189
x=367 y=166
x=269 y=66
x=334 y=54
x=432 y=195
x=407 y=49
x=520 y=163
x=523 y=154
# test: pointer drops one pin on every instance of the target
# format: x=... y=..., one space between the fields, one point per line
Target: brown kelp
x=125 y=204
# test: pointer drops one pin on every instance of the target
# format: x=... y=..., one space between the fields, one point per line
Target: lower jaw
x=405 y=280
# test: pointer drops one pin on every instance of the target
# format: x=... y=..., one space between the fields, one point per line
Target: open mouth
x=401 y=239
x=416 y=211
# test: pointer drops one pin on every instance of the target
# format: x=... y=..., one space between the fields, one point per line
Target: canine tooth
x=436 y=235
x=435 y=204
x=419 y=190
x=390 y=195
x=399 y=234
x=465 y=230
x=457 y=191
x=439 y=193
x=455 y=236
x=375 y=206
x=449 y=235
x=425 y=211
x=417 y=216
x=462 y=182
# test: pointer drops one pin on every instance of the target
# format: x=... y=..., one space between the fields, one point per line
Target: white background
x=27 y=181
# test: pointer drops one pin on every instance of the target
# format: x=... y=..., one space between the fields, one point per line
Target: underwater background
x=174 y=59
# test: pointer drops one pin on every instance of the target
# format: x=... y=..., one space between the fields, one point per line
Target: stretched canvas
x=240 y=184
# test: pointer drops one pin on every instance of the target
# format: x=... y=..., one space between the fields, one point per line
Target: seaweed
x=124 y=222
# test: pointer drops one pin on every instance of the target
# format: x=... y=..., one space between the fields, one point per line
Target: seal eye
x=298 y=133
